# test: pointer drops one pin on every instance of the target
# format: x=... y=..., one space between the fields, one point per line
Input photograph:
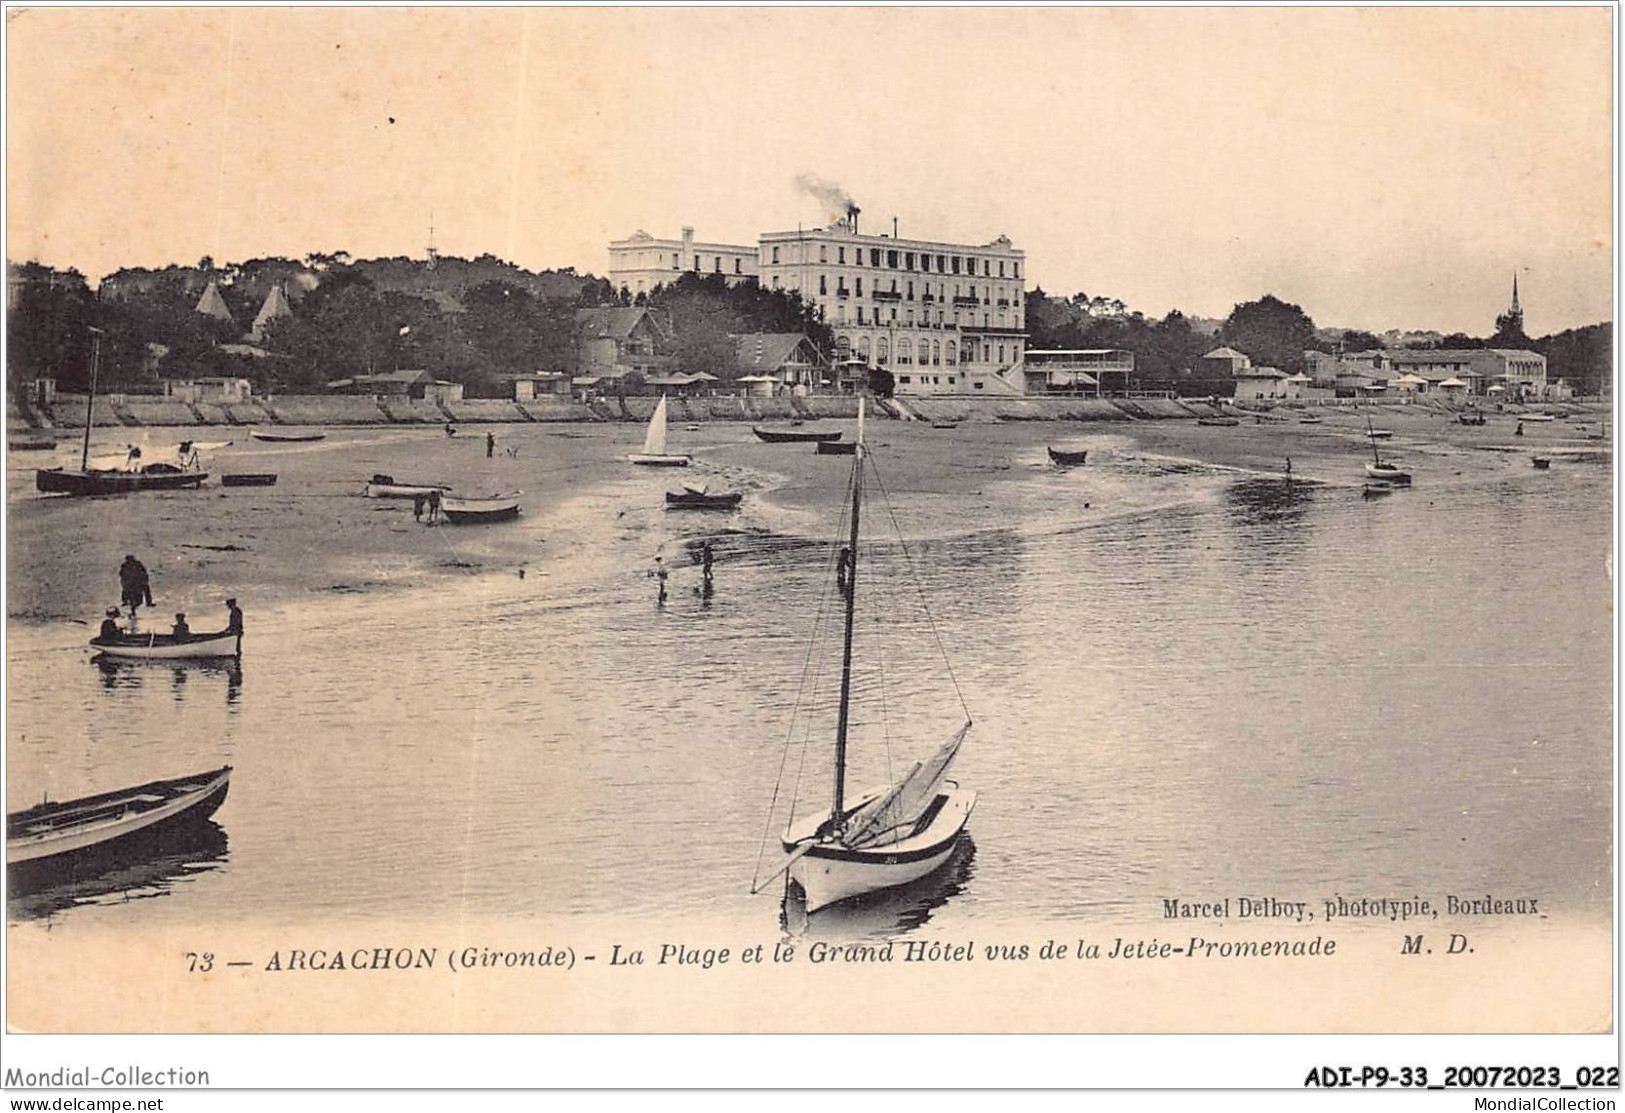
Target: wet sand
x=313 y=535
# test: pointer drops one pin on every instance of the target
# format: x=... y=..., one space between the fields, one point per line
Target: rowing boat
x=168 y=647
x=493 y=508
x=51 y=829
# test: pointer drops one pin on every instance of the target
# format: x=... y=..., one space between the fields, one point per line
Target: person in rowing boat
x=136 y=585
x=111 y=630
x=180 y=631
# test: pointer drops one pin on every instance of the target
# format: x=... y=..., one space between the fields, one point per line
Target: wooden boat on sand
x=52 y=830
x=700 y=500
x=248 y=479
x=1066 y=458
x=286 y=438
x=794 y=436
x=493 y=508
x=1225 y=422
x=388 y=487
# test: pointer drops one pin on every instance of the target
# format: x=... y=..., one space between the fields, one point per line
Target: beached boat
x=700 y=500
x=157 y=475
x=654 y=452
x=493 y=508
x=794 y=436
x=1379 y=434
x=1472 y=419
x=30 y=444
x=945 y=425
x=1536 y=417
x=1225 y=422
x=167 y=647
x=98 y=823
x=1309 y=419
x=1065 y=458
x=388 y=487
x=249 y=479
x=834 y=448
x=1377 y=490
x=1384 y=470
x=891 y=836
x=1541 y=462
x=286 y=438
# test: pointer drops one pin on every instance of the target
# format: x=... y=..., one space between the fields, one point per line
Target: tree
x=1271 y=331
x=882 y=384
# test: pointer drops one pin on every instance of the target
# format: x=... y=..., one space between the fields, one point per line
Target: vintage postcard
x=892 y=520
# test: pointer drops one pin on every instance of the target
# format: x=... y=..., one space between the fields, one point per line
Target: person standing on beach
x=136 y=586
x=417 y=506
x=659 y=573
x=434 y=506
x=490 y=444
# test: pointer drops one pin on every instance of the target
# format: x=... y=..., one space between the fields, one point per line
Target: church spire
x=1516 y=308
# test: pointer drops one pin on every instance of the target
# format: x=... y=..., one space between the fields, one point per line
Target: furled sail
x=890 y=816
x=654 y=441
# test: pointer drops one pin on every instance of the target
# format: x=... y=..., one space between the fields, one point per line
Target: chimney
x=688 y=239
x=852 y=212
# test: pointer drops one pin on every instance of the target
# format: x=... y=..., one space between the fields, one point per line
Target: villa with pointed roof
x=211 y=304
x=276 y=305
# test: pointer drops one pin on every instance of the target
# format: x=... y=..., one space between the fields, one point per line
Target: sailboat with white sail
x=889 y=836
x=654 y=444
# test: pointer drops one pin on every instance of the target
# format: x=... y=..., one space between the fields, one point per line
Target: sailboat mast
x=851 y=610
x=90 y=401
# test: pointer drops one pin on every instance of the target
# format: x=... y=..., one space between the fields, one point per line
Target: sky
x=1383 y=168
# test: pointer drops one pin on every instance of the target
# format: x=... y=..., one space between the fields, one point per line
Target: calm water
x=1240 y=689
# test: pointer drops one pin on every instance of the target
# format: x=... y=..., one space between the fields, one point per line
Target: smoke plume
x=836 y=200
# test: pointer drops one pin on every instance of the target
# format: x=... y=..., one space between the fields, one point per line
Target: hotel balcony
x=887 y=295
x=961 y=300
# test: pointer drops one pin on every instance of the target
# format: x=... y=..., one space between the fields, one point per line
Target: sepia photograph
x=864 y=521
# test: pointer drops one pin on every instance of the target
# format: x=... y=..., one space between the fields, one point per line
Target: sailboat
x=886 y=837
x=654 y=444
x=119 y=478
x=1377 y=469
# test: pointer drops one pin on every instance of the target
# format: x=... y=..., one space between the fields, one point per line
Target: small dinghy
x=793 y=436
x=1541 y=462
x=494 y=508
x=286 y=438
x=52 y=830
x=654 y=452
x=1224 y=422
x=1066 y=458
x=249 y=479
x=701 y=500
x=168 y=647
x=388 y=487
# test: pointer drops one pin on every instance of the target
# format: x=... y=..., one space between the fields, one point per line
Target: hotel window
x=952 y=353
x=860 y=285
x=1017 y=266
x=840 y=314
x=1001 y=353
x=942 y=263
x=860 y=316
x=696 y=264
x=736 y=266
x=894 y=313
x=905 y=379
x=840 y=255
x=823 y=253
x=775 y=255
x=882 y=351
x=908 y=260
x=936 y=352
x=717 y=265
x=874 y=256
x=925 y=263
x=823 y=285
x=950 y=380
x=1001 y=268
x=905 y=352
x=675 y=261
x=891 y=259
x=863 y=341
x=986 y=268
x=911 y=291
x=775 y=282
x=956 y=268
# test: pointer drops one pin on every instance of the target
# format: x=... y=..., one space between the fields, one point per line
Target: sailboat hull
x=660 y=460
x=830 y=872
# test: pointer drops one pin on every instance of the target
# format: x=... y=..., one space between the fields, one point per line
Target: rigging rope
x=920 y=590
x=802 y=690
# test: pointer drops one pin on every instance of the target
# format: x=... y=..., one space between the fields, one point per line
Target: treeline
x=465 y=320
x=1275 y=333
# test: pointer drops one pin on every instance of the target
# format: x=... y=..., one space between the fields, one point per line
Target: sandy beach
x=313 y=534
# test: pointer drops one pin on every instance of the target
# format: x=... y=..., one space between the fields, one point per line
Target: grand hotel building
x=944 y=318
